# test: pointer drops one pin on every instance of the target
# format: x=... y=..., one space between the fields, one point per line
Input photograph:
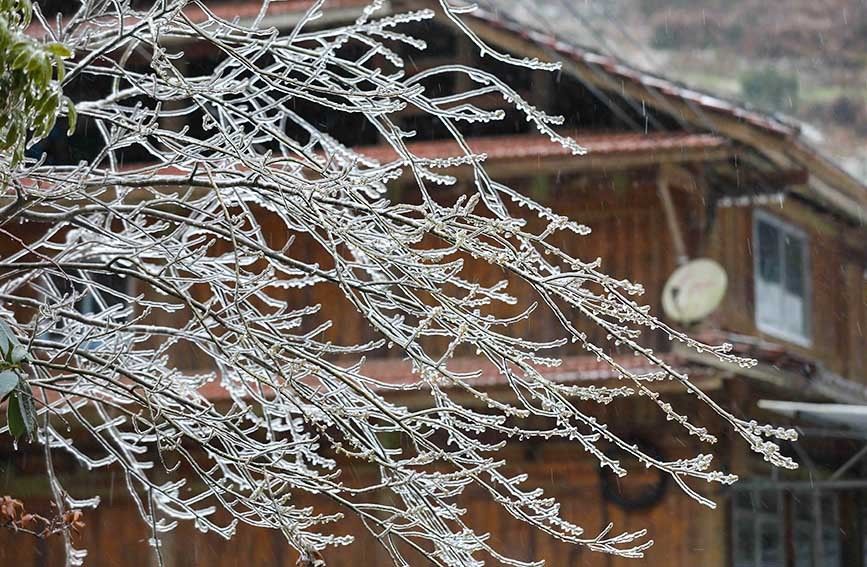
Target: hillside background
x=806 y=59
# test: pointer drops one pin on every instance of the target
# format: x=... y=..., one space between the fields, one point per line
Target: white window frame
x=784 y=229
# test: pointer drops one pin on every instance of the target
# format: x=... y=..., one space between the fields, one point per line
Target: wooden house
x=672 y=174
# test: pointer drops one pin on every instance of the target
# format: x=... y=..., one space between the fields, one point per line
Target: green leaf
x=22 y=55
x=19 y=354
x=34 y=63
x=59 y=50
x=12 y=136
x=14 y=419
x=47 y=123
x=47 y=104
x=40 y=128
x=8 y=340
x=4 y=37
x=61 y=68
x=46 y=70
x=71 y=116
x=28 y=408
x=27 y=8
x=20 y=412
x=8 y=381
x=18 y=155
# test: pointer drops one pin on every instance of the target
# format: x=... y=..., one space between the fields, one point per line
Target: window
x=775 y=528
x=758 y=529
x=814 y=543
x=781 y=278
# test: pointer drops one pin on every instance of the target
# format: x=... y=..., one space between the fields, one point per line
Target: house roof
x=769 y=135
x=534 y=146
x=728 y=120
x=242 y=10
x=246 y=10
x=396 y=374
x=772 y=136
x=619 y=69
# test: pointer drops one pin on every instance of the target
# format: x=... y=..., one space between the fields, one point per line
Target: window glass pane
x=803 y=544
x=744 y=501
x=831 y=553
x=802 y=529
x=771 y=542
x=744 y=548
x=110 y=288
x=781 y=283
x=769 y=501
x=794 y=261
x=769 y=252
x=757 y=528
x=793 y=311
x=802 y=506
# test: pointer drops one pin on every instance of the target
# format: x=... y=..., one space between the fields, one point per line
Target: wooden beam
x=764 y=373
x=812 y=388
x=671 y=219
x=681 y=178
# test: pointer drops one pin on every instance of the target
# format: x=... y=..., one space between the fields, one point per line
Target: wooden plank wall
x=629 y=234
x=631 y=237
x=685 y=533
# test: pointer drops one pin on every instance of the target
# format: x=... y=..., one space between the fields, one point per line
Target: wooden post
x=671 y=219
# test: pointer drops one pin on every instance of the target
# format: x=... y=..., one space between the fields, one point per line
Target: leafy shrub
x=30 y=76
x=770 y=89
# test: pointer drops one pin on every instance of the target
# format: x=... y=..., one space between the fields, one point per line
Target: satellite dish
x=694 y=290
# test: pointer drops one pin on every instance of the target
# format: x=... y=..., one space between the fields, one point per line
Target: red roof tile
x=243 y=11
x=572 y=369
x=396 y=374
x=511 y=147
x=530 y=145
x=250 y=9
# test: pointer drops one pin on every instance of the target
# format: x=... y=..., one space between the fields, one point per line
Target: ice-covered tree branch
x=205 y=236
